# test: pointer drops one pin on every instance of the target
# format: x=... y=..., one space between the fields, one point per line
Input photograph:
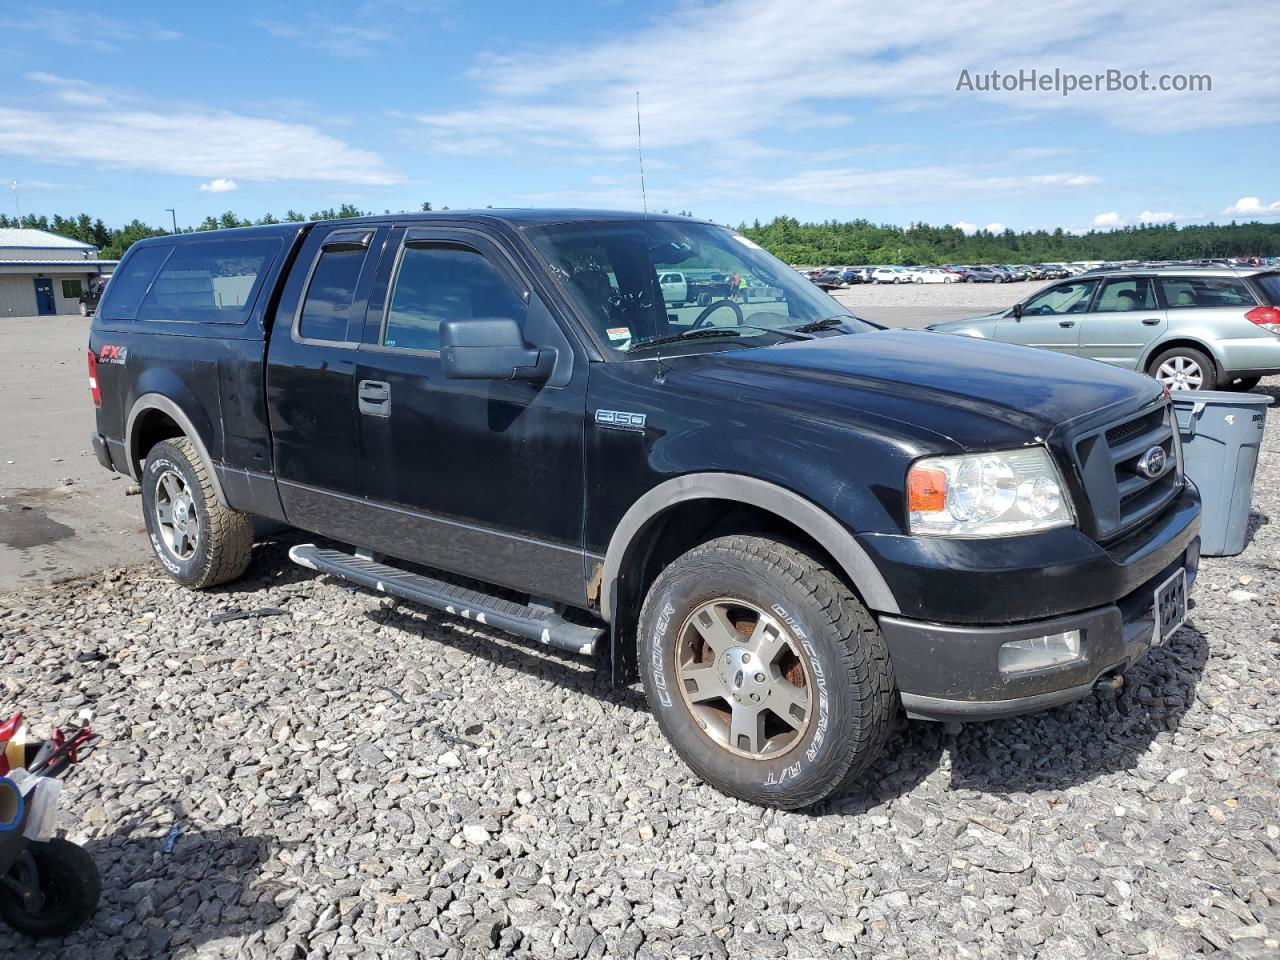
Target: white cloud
x=1253 y=207
x=995 y=228
x=219 y=185
x=1109 y=219
x=965 y=226
x=346 y=40
x=754 y=68
x=834 y=188
x=123 y=131
x=80 y=28
x=1159 y=216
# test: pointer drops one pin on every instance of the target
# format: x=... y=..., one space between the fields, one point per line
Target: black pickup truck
x=790 y=523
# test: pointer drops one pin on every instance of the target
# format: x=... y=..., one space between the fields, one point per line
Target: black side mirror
x=491 y=348
x=1016 y=310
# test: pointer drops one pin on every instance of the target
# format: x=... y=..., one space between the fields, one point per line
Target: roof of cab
x=518 y=216
x=514 y=217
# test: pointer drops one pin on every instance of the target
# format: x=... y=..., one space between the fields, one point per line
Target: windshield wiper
x=686 y=335
x=813 y=326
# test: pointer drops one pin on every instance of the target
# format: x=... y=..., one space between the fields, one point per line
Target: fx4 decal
x=113 y=354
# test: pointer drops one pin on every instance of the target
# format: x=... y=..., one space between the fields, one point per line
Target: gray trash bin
x=1221 y=433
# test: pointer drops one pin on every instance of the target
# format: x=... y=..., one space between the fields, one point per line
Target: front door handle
x=1150 y=321
x=1066 y=323
x=374 y=398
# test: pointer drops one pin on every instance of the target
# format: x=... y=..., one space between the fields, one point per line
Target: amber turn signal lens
x=926 y=491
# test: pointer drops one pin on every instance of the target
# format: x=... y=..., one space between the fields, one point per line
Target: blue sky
x=830 y=110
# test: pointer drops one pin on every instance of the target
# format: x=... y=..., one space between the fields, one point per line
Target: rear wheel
x=199 y=541
x=766 y=674
x=1184 y=368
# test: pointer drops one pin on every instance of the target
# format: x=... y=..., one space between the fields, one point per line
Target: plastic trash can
x=1221 y=434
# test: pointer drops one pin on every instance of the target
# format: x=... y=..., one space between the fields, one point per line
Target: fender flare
x=816 y=522
x=158 y=401
x=1202 y=343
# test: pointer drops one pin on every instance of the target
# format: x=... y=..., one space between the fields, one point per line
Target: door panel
x=1051 y=318
x=1124 y=319
x=311 y=394
x=478 y=477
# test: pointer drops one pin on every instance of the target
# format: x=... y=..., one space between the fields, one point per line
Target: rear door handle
x=374 y=398
x=1066 y=323
x=1150 y=321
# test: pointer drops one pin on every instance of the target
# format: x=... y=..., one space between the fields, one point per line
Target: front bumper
x=949 y=670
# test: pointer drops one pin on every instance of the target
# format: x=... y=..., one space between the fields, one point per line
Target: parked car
x=933 y=275
x=788 y=523
x=91 y=295
x=982 y=275
x=890 y=275
x=1191 y=328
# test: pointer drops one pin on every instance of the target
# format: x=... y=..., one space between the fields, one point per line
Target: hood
x=985 y=321
x=978 y=393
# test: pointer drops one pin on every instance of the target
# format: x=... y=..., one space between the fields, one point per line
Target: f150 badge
x=620 y=419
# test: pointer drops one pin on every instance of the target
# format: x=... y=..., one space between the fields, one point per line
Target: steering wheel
x=702 y=320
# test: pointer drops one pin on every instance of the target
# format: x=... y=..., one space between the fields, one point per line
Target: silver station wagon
x=1192 y=328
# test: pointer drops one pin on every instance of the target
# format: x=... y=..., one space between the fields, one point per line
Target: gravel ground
x=361 y=778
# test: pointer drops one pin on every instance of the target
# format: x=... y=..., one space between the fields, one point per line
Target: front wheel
x=1185 y=368
x=198 y=540
x=765 y=672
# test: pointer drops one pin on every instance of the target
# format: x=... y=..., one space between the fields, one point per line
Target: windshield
x=641 y=281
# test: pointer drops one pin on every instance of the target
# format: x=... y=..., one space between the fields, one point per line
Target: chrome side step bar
x=534 y=622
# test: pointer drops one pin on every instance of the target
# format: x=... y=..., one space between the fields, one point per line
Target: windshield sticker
x=619 y=333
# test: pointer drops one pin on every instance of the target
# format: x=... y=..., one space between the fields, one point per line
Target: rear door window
x=327 y=303
x=209 y=280
x=1126 y=294
x=1181 y=293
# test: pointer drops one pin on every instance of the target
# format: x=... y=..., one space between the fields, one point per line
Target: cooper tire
x=199 y=541
x=70 y=883
x=833 y=649
x=1185 y=368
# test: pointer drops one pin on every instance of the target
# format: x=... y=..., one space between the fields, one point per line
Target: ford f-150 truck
x=791 y=524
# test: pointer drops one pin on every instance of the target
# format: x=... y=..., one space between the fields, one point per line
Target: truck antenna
x=644 y=199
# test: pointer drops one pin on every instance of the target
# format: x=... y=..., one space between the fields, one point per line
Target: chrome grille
x=1121 y=495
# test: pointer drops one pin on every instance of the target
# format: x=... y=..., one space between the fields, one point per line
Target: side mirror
x=491 y=348
x=1016 y=310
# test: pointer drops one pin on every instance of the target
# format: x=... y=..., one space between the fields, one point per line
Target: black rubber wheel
x=1184 y=368
x=1243 y=384
x=764 y=671
x=71 y=886
x=198 y=541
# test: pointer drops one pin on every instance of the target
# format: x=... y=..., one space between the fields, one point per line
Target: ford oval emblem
x=1151 y=464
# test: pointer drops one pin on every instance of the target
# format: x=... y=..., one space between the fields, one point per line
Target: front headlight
x=986 y=494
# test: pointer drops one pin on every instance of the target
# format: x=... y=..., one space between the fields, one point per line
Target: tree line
x=863 y=242
x=829 y=242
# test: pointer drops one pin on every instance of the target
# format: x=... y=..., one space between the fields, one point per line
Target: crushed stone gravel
x=361 y=778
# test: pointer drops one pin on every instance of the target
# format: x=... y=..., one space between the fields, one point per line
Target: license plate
x=1170 y=607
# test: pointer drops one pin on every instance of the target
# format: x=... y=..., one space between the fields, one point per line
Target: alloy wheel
x=175 y=514
x=1180 y=373
x=743 y=679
